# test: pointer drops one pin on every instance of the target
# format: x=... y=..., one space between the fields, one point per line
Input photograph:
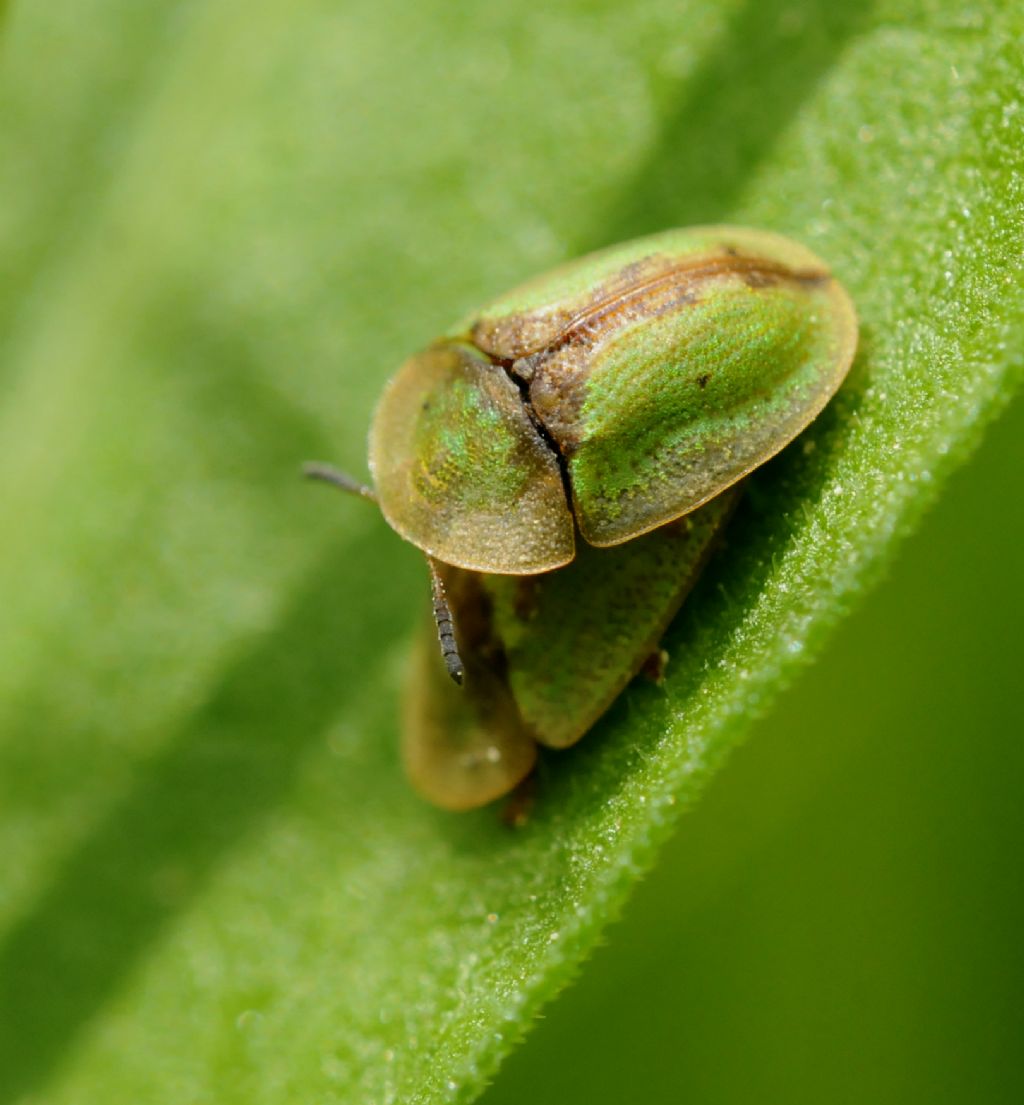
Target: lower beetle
x=565 y=458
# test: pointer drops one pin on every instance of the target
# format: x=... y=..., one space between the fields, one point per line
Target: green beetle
x=565 y=459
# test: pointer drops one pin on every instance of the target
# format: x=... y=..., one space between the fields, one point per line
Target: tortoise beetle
x=565 y=458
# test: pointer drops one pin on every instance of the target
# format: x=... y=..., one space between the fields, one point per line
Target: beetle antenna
x=326 y=474
x=445 y=628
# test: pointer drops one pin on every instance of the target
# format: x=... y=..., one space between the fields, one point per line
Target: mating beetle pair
x=565 y=459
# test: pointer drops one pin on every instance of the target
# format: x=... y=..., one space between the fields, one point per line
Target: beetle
x=565 y=458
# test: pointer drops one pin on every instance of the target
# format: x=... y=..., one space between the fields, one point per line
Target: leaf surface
x=223 y=226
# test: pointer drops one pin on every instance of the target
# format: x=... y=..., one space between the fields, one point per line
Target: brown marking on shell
x=530 y=333
x=755 y=279
x=682 y=283
x=557 y=392
x=517 y=336
x=649 y=286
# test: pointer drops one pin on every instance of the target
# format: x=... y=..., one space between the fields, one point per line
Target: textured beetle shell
x=545 y=657
x=462 y=471
x=648 y=378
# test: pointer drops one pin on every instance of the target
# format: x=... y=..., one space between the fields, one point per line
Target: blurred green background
x=222 y=225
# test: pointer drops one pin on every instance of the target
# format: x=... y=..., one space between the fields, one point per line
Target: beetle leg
x=325 y=473
x=653 y=668
x=520 y=802
x=445 y=627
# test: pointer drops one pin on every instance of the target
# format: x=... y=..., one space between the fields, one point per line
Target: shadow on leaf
x=739 y=101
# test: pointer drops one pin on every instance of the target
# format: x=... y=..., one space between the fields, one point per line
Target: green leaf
x=223 y=225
